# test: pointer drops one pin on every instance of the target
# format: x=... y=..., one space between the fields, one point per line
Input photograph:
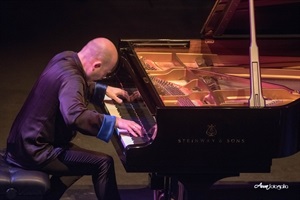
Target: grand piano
x=208 y=110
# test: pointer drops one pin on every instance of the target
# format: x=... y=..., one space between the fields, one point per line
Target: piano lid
x=274 y=18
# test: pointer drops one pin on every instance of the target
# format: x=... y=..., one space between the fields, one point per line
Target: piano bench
x=20 y=184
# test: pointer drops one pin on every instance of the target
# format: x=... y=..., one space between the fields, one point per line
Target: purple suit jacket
x=54 y=111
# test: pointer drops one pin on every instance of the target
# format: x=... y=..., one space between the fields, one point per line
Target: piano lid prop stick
x=256 y=98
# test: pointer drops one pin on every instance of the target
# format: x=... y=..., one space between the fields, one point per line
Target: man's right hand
x=132 y=127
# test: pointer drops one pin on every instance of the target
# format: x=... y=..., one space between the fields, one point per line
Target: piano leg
x=165 y=187
x=196 y=187
x=184 y=187
x=165 y=191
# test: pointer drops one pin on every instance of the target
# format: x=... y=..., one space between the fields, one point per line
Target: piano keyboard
x=135 y=111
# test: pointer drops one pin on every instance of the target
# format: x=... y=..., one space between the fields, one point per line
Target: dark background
x=32 y=32
x=74 y=22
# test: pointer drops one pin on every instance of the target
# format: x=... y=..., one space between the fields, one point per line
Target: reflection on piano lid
x=197 y=87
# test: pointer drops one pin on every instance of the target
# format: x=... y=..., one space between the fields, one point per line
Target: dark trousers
x=75 y=162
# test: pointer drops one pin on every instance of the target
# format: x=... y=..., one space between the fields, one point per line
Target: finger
x=136 y=130
x=133 y=97
x=126 y=95
x=132 y=132
x=118 y=100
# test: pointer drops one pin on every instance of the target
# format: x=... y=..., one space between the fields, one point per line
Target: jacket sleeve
x=97 y=93
x=78 y=116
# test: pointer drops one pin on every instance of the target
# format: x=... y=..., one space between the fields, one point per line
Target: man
x=56 y=108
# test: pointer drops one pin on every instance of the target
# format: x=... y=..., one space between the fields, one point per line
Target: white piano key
x=124 y=135
x=126 y=140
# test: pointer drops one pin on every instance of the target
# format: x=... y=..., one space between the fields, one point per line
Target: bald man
x=56 y=109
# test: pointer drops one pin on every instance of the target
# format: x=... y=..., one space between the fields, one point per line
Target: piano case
x=198 y=91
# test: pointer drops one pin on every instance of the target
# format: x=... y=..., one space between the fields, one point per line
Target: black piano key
x=140 y=140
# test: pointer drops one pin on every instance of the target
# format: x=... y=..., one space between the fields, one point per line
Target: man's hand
x=115 y=94
x=133 y=128
x=135 y=96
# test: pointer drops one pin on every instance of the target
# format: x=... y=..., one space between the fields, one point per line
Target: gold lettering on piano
x=211 y=141
x=235 y=141
x=210 y=137
x=211 y=130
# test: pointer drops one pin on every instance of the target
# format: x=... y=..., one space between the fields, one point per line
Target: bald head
x=98 y=53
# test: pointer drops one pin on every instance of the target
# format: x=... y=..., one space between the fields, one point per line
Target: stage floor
x=220 y=191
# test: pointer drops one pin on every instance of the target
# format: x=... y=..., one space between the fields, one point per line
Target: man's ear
x=97 y=65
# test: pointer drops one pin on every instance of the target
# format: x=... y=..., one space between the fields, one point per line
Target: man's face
x=101 y=71
x=104 y=65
